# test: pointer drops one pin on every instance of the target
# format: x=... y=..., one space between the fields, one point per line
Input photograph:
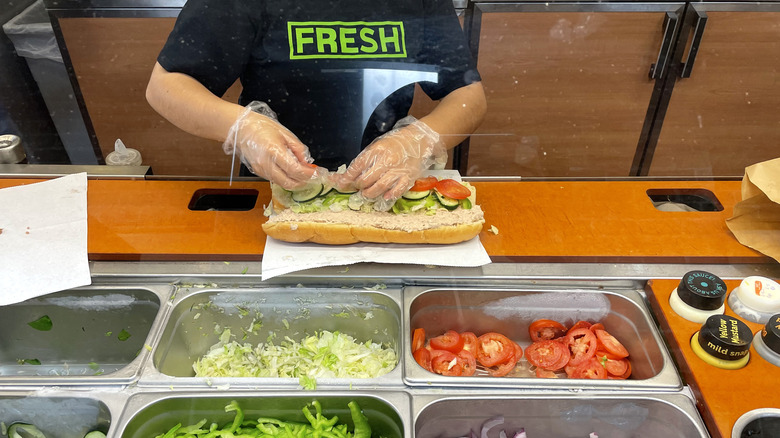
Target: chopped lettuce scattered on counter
x=318 y=425
x=324 y=355
x=28 y=361
x=43 y=323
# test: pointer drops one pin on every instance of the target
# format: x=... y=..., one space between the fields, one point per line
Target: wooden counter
x=604 y=221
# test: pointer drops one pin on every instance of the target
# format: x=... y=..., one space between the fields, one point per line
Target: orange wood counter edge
x=722 y=395
x=579 y=221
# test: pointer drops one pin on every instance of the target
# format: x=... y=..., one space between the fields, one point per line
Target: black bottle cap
x=702 y=290
x=725 y=337
x=771 y=333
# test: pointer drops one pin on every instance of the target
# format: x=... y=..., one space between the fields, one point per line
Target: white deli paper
x=284 y=257
x=43 y=238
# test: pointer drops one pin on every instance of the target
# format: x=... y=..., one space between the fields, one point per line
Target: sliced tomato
x=423 y=358
x=452 y=189
x=518 y=352
x=616 y=367
x=450 y=341
x=418 y=339
x=494 y=348
x=423 y=184
x=579 y=325
x=504 y=368
x=590 y=369
x=544 y=329
x=468 y=362
x=434 y=352
x=469 y=341
x=625 y=375
x=550 y=354
x=547 y=374
x=597 y=326
x=446 y=363
x=611 y=344
x=603 y=354
x=582 y=345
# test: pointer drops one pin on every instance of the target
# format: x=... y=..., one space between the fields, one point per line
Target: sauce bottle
x=756 y=299
x=767 y=341
x=723 y=341
x=699 y=296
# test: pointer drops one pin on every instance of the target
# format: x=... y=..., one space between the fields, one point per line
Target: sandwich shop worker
x=308 y=69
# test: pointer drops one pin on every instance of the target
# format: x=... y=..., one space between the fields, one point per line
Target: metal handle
x=698 y=32
x=658 y=69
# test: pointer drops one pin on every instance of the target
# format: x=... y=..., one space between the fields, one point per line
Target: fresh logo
x=346 y=39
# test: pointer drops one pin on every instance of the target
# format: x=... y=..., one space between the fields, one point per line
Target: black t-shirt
x=338 y=74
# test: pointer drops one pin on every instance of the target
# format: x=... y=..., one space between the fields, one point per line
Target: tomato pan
x=622 y=310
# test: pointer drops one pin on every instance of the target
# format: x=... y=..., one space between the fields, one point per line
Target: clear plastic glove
x=269 y=149
x=388 y=167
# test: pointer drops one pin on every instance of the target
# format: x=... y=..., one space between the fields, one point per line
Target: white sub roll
x=343 y=227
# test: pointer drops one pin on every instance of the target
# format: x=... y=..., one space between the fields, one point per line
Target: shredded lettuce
x=324 y=355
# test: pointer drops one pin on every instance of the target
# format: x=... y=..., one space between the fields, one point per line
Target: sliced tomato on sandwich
x=423 y=184
x=452 y=189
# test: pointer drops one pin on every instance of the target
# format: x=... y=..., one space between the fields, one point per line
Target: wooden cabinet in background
x=726 y=115
x=569 y=92
x=112 y=58
x=567 y=86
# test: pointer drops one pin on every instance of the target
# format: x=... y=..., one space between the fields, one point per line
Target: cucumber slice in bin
x=307 y=193
x=22 y=430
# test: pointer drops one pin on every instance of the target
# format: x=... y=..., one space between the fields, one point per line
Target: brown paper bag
x=756 y=219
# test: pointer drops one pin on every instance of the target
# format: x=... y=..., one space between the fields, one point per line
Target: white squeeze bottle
x=123 y=156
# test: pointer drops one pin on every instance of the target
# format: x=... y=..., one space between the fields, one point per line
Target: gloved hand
x=388 y=167
x=269 y=149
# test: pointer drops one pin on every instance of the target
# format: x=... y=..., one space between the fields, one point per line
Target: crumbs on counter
x=493 y=229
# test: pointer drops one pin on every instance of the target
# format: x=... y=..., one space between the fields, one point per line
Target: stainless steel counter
x=147 y=394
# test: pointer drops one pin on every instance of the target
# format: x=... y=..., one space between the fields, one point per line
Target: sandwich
x=433 y=211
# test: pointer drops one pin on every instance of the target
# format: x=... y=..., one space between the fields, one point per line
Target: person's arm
x=189 y=105
x=458 y=114
x=269 y=149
